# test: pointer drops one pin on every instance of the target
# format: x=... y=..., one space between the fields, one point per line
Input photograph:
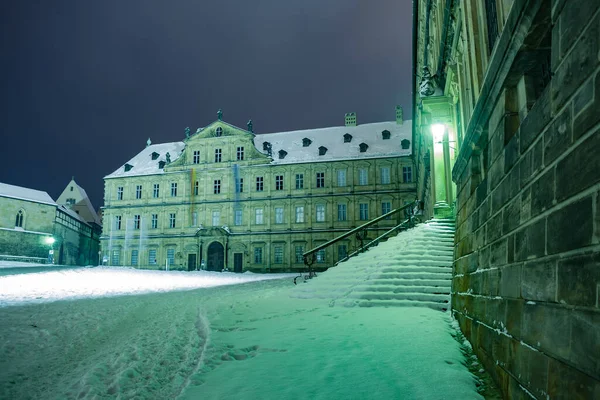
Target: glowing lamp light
x=50 y=240
x=438 y=132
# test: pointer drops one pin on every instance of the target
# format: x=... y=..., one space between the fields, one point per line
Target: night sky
x=85 y=83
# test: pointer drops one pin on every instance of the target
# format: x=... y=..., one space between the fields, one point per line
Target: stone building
x=34 y=228
x=514 y=87
x=225 y=197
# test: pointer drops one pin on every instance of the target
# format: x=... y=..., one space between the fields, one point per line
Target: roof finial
x=250 y=127
x=148 y=142
x=187 y=132
x=73 y=177
x=220 y=115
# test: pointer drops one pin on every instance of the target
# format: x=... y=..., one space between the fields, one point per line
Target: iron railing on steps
x=361 y=235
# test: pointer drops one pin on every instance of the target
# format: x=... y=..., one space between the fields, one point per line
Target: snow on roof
x=22 y=193
x=333 y=140
x=72 y=213
x=143 y=164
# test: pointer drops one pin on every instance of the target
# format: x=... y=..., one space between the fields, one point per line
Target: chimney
x=399 y=115
x=351 y=119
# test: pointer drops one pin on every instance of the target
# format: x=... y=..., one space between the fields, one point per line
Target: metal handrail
x=360 y=231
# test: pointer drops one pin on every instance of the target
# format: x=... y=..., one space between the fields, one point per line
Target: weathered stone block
x=535 y=122
x=510 y=281
x=512 y=215
x=585 y=108
x=542 y=193
x=548 y=328
x=491 y=282
x=510 y=249
x=533 y=371
x=574 y=17
x=496 y=173
x=498 y=253
x=558 y=137
x=530 y=241
x=511 y=153
x=484 y=257
x=482 y=191
x=570 y=227
x=514 y=317
x=526 y=205
x=479 y=238
x=579 y=170
x=585 y=341
x=538 y=280
x=484 y=212
x=494 y=228
x=497 y=142
x=566 y=382
x=577 y=66
x=500 y=195
x=579 y=279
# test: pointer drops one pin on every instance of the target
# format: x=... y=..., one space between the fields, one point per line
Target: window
x=152 y=257
x=298 y=251
x=219 y=132
x=279 y=182
x=279 y=215
x=342 y=212
x=300 y=214
x=320 y=212
x=218 y=154
x=194 y=218
x=118 y=222
x=70 y=201
x=71 y=188
x=196 y=188
x=116 y=257
x=172 y=220
x=134 y=257
x=136 y=222
x=238 y=217
x=138 y=192
x=240 y=154
x=154 y=221
x=299 y=181
x=405 y=143
x=407 y=174
x=322 y=150
x=385 y=134
x=173 y=189
x=385 y=175
x=259 y=184
x=259 y=217
x=363 y=176
x=386 y=207
x=19 y=219
x=120 y=193
x=239 y=185
x=363 y=147
x=341 y=177
x=258 y=255
x=216 y=218
x=155 y=191
x=196 y=156
x=347 y=138
x=321 y=256
x=342 y=251
x=282 y=154
x=171 y=256
x=306 y=142
x=320 y=179
x=278 y=253
x=217 y=186
x=364 y=211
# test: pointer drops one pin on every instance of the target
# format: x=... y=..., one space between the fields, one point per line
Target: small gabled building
x=225 y=197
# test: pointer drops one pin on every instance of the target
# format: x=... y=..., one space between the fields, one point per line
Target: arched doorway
x=215 y=257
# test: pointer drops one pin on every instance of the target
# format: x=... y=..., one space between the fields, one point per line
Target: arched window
x=219 y=132
x=19 y=219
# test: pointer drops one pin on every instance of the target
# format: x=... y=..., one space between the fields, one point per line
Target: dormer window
x=347 y=138
x=155 y=155
x=268 y=147
x=363 y=147
x=322 y=150
x=306 y=142
x=282 y=154
x=161 y=164
x=405 y=144
x=219 y=132
x=128 y=167
x=385 y=134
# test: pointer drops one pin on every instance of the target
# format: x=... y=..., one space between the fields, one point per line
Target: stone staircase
x=413 y=268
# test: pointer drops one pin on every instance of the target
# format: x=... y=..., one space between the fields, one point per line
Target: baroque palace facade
x=225 y=197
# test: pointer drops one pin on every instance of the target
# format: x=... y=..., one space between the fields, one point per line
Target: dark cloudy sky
x=85 y=83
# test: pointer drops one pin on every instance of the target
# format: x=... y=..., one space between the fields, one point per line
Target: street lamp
x=50 y=242
x=438 y=132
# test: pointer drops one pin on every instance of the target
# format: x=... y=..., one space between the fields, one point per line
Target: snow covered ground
x=123 y=333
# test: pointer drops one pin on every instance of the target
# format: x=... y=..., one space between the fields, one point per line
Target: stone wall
x=526 y=287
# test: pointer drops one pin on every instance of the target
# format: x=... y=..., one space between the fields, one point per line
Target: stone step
x=401 y=289
x=403 y=303
x=429 y=297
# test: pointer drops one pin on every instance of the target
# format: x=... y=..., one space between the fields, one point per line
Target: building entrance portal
x=237 y=262
x=192 y=262
x=215 y=257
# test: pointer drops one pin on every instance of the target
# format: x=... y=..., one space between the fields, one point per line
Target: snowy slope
x=411 y=269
